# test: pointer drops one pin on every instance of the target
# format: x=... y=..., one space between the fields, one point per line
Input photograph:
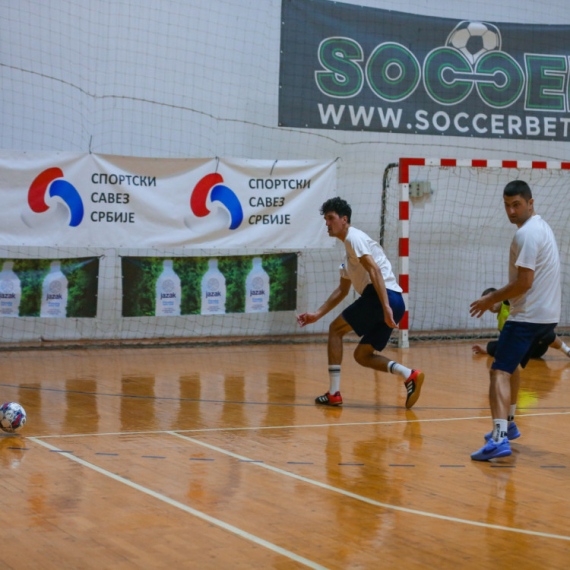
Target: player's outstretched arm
x=521 y=284
x=335 y=298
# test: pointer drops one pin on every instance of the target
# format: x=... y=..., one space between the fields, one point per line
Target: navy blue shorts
x=366 y=316
x=517 y=343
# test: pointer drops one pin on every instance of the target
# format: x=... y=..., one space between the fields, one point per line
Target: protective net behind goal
x=459 y=240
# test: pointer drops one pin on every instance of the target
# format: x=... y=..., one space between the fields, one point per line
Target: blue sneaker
x=492 y=450
x=512 y=433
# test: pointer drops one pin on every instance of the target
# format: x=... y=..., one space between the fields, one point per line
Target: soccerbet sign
x=349 y=67
x=90 y=200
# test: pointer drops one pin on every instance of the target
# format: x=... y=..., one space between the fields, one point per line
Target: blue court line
x=20 y=448
x=154 y=456
x=351 y=463
x=504 y=466
x=452 y=465
x=299 y=463
x=100 y=453
x=553 y=466
x=308 y=405
x=60 y=451
x=200 y=459
x=249 y=461
x=400 y=465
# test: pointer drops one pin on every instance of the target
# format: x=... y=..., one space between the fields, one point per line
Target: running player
x=534 y=293
x=372 y=316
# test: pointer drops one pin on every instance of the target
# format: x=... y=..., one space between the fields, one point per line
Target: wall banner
x=50 y=288
x=155 y=286
x=352 y=67
x=88 y=200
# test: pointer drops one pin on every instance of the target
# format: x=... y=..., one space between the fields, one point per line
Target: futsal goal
x=444 y=221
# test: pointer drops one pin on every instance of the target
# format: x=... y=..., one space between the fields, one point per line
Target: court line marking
x=252 y=428
x=372 y=501
x=204 y=401
x=235 y=530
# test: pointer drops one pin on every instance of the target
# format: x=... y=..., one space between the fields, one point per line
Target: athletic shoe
x=492 y=450
x=414 y=386
x=512 y=433
x=329 y=400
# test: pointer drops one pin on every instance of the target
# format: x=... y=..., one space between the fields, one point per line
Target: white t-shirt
x=357 y=244
x=534 y=247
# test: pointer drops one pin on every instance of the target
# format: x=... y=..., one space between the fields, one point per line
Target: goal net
x=445 y=222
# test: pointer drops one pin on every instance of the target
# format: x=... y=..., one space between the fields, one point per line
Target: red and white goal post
x=554 y=194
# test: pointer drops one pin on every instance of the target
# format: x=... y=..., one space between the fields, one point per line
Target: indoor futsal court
x=217 y=457
x=203 y=204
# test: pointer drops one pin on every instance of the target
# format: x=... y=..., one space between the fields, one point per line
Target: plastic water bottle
x=168 y=291
x=10 y=291
x=213 y=290
x=257 y=289
x=54 y=293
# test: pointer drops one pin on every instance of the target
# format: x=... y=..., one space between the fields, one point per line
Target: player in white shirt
x=372 y=316
x=534 y=294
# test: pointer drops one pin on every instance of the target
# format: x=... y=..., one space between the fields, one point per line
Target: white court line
x=366 y=499
x=186 y=508
x=291 y=427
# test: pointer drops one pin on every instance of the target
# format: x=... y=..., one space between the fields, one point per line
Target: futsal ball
x=12 y=417
x=474 y=39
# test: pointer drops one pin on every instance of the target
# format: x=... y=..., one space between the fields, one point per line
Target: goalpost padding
x=486 y=179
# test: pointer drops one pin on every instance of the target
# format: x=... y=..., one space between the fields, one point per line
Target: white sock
x=500 y=430
x=399 y=369
x=511 y=416
x=334 y=375
x=565 y=349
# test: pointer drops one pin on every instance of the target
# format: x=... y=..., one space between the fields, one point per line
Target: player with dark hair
x=372 y=316
x=501 y=309
x=534 y=293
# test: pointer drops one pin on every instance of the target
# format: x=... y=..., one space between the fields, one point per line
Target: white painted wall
x=190 y=78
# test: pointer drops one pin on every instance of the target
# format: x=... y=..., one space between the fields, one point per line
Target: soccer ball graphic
x=12 y=417
x=474 y=39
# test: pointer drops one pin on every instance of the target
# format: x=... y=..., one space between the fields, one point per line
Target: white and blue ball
x=12 y=417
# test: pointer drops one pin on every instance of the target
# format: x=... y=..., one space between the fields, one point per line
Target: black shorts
x=366 y=316
x=517 y=342
x=538 y=351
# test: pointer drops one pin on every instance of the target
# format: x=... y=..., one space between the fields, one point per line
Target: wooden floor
x=218 y=458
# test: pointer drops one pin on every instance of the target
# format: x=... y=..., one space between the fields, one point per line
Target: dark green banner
x=156 y=286
x=50 y=288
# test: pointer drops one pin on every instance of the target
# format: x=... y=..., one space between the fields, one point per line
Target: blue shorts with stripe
x=366 y=316
x=517 y=342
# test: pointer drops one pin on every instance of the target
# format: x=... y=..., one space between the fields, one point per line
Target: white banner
x=71 y=199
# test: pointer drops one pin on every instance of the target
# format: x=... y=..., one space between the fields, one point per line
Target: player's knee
x=336 y=329
x=361 y=355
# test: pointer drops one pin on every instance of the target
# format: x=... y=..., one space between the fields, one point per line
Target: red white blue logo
x=212 y=186
x=51 y=180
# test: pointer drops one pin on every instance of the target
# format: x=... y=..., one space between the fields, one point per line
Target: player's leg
x=560 y=345
x=376 y=338
x=413 y=379
x=338 y=328
x=514 y=347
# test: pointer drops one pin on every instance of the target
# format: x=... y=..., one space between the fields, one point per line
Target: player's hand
x=478 y=349
x=389 y=318
x=307 y=318
x=477 y=308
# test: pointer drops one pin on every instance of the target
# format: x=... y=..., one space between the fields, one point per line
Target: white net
x=460 y=238
x=179 y=79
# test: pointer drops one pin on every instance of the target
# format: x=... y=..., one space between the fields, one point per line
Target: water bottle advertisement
x=157 y=286
x=49 y=288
